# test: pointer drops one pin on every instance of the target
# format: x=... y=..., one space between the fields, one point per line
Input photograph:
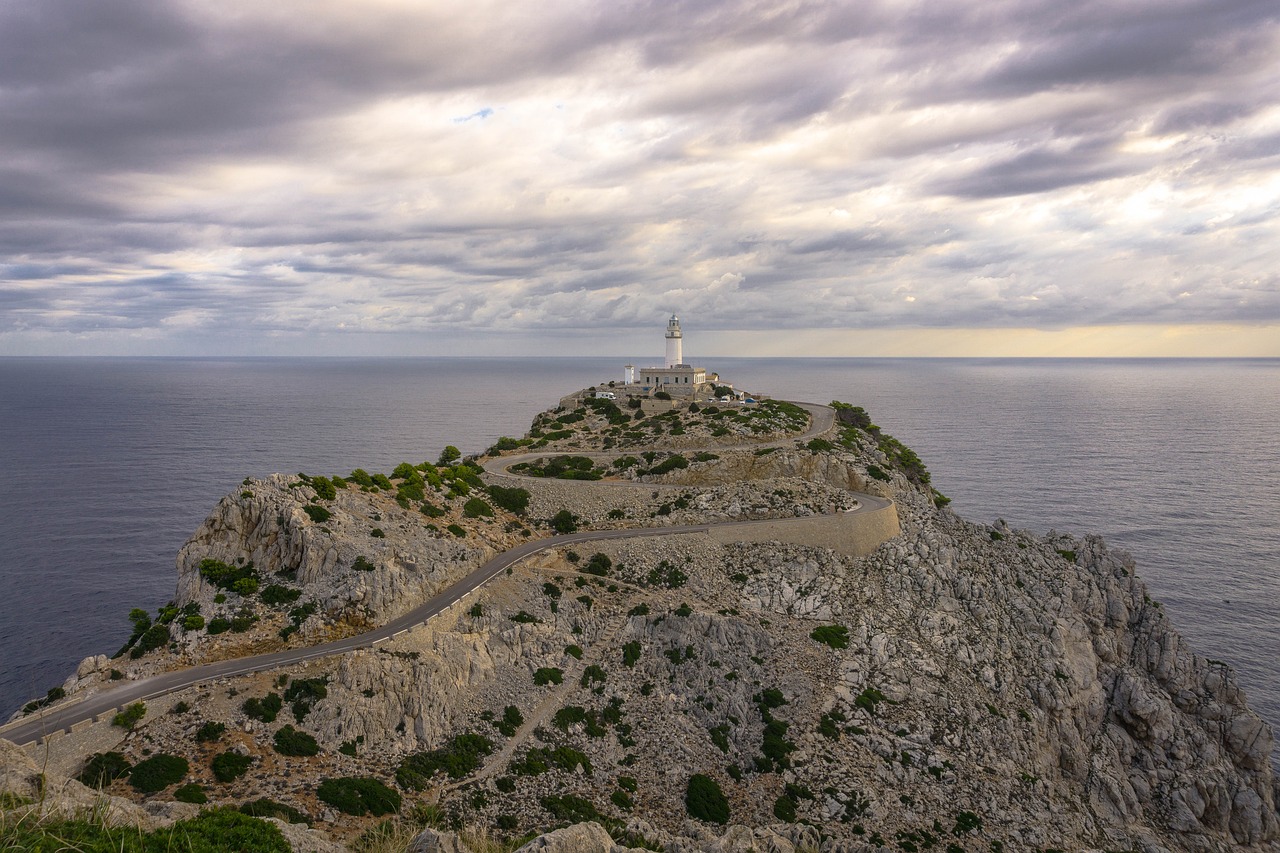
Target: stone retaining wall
x=856 y=534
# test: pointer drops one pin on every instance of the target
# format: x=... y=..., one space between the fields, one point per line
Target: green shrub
x=218 y=625
x=264 y=709
x=157 y=773
x=192 y=623
x=671 y=463
x=130 y=716
x=277 y=594
x=317 y=513
x=240 y=624
x=513 y=500
x=377 y=533
x=458 y=758
x=358 y=795
x=245 y=586
x=622 y=800
x=291 y=741
x=192 y=792
x=593 y=674
x=477 y=508
x=304 y=693
x=835 y=636
x=270 y=808
x=221 y=829
x=877 y=473
x=229 y=765
x=597 y=564
x=153 y=638
x=571 y=809
x=102 y=768
x=511 y=720
x=224 y=576
x=456 y=530
x=631 y=653
x=210 y=731
x=574 y=651
x=564 y=522
x=704 y=800
x=362 y=565
x=548 y=675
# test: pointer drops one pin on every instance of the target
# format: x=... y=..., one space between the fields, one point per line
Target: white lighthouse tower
x=675 y=343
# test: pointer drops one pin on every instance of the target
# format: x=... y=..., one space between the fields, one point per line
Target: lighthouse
x=675 y=343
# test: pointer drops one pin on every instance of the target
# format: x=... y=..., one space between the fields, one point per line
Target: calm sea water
x=112 y=463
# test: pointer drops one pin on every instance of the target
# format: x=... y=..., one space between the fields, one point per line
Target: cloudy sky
x=997 y=177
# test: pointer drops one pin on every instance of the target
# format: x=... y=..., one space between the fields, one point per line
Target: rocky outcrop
x=961 y=686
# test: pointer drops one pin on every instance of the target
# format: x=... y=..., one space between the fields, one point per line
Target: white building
x=676 y=377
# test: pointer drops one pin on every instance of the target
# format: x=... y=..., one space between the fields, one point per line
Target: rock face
x=266 y=524
x=964 y=686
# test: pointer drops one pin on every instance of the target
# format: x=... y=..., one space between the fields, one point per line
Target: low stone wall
x=854 y=533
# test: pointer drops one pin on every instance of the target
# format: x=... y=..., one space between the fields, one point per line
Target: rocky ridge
x=964 y=687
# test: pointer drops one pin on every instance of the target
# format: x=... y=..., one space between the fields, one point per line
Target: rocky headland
x=953 y=686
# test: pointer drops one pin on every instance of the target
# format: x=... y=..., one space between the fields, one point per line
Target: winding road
x=62 y=717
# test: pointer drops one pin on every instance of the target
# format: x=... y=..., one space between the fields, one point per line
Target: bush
x=210 y=731
x=459 y=757
x=218 y=625
x=835 y=636
x=456 y=530
x=290 y=741
x=270 y=808
x=548 y=675
x=564 y=522
x=157 y=773
x=224 y=576
x=358 y=795
x=153 y=638
x=631 y=653
x=130 y=716
x=192 y=792
x=669 y=464
x=513 y=500
x=598 y=564
x=784 y=808
x=102 y=768
x=221 y=829
x=277 y=594
x=704 y=800
x=571 y=809
x=229 y=765
x=304 y=693
x=264 y=709
x=511 y=720
x=593 y=675
x=477 y=508
x=317 y=513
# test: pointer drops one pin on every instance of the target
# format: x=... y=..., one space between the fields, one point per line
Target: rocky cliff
x=963 y=687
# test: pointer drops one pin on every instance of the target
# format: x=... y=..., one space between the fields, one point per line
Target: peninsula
x=700 y=620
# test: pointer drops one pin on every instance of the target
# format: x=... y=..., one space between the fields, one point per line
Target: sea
x=110 y=464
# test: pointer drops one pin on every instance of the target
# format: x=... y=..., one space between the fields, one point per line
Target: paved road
x=109 y=701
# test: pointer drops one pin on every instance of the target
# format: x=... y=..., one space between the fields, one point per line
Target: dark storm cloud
x=1041 y=169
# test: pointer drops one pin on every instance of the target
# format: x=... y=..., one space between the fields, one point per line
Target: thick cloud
x=177 y=171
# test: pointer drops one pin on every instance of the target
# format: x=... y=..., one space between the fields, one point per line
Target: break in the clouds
x=183 y=176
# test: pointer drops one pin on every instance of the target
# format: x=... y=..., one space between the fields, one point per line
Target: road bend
x=49 y=721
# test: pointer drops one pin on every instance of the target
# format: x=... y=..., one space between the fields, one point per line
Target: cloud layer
x=181 y=176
